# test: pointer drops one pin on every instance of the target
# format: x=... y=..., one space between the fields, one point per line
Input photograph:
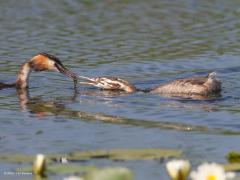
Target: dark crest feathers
x=52 y=57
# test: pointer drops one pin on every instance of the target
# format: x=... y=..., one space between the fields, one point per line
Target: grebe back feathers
x=195 y=85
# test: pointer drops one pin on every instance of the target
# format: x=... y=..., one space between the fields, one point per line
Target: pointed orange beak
x=66 y=72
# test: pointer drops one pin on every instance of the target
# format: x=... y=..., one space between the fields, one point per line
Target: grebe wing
x=192 y=81
x=187 y=81
x=193 y=85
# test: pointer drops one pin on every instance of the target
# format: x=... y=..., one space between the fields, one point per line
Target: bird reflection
x=103 y=93
x=38 y=106
x=192 y=97
x=41 y=109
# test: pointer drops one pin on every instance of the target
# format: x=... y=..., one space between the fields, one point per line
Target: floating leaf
x=127 y=154
x=110 y=174
x=233 y=157
x=232 y=167
x=62 y=169
x=21 y=158
x=70 y=169
x=114 y=154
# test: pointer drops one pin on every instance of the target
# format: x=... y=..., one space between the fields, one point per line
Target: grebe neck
x=23 y=76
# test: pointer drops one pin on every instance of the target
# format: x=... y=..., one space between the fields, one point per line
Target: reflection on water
x=192 y=96
x=41 y=108
x=103 y=93
x=145 y=42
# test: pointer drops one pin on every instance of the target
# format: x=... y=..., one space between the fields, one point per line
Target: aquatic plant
x=178 y=169
x=233 y=157
x=211 y=171
x=116 y=173
x=39 y=165
x=112 y=154
x=72 y=178
x=126 y=154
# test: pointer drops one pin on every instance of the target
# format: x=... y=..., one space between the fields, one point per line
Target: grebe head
x=212 y=75
x=45 y=61
x=41 y=62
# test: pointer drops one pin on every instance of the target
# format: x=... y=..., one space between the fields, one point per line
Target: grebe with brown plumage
x=40 y=62
x=203 y=86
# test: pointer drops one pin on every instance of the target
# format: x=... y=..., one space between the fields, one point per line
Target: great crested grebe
x=40 y=62
x=203 y=86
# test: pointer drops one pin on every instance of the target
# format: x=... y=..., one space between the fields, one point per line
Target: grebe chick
x=40 y=62
x=109 y=83
x=203 y=86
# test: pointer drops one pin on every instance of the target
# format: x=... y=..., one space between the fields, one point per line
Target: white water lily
x=72 y=178
x=178 y=169
x=211 y=171
x=39 y=165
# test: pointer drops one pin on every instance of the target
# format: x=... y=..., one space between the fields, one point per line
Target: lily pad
x=113 y=154
x=23 y=158
x=232 y=167
x=109 y=174
x=20 y=158
x=233 y=157
x=69 y=169
x=127 y=154
x=62 y=169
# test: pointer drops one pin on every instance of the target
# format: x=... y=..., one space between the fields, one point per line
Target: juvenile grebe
x=109 y=83
x=202 y=86
x=40 y=62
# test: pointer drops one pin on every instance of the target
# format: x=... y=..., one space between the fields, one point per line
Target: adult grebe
x=202 y=86
x=109 y=83
x=40 y=62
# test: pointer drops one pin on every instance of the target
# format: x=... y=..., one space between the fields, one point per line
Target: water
x=146 y=43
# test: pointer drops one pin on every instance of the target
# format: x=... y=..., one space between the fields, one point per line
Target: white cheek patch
x=51 y=65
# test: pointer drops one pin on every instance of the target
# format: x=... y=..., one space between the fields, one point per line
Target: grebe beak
x=66 y=72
